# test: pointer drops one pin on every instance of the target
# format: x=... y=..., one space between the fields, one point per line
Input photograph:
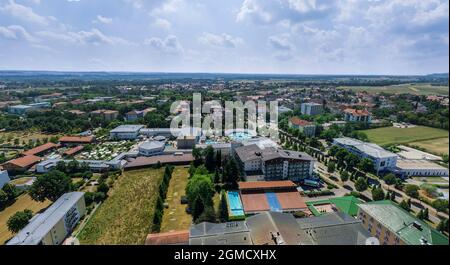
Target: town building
x=274 y=164
x=76 y=140
x=21 y=164
x=306 y=127
x=410 y=153
x=186 y=141
x=151 y=148
x=383 y=160
x=355 y=115
x=125 y=132
x=22 y=109
x=73 y=151
x=392 y=225
x=277 y=196
x=419 y=168
x=311 y=108
x=283 y=109
x=53 y=225
x=137 y=114
x=4 y=178
x=42 y=149
x=107 y=115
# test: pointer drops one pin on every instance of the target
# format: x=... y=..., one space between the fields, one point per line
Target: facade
x=4 y=178
x=392 y=225
x=311 y=108
x=151 y=148
x=383 y=160
x=107 y=115
x=22 y=109
x=125 y=132
x=354 y=115
x=21 y=164
x=186 y=142
x=419 y=168
x=275 y=164
x=306 y=127
x=137 y=114
x=52 y=226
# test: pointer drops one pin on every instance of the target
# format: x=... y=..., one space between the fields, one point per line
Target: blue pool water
x=235 y=204
x=273 y=202
x=210 y=142
x=240 y=136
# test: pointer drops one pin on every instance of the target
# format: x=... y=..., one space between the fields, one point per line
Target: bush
x=441 y=205
x=300 y=214
x=412 y=190
x=390 y=179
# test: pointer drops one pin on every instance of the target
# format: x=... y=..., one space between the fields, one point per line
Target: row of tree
x=162 y=193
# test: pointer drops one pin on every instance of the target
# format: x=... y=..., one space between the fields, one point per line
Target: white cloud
x=23 y=13
x=223 y=40
x=16 y=32
x=162 y=23
x=94 y=36
x=104 y=20
x=281 y=43
x=169 y=45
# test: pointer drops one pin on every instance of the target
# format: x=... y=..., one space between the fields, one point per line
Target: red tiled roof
x=169 y=238
x=299 y=122
x=356 y=112
x=26 y=161
x=266 y=185
x=40 y=149
x=77 y=139
x=73 y=150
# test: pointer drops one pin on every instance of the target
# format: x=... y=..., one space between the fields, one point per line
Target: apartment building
x=355 y=115
x=306 y=127
x=311 y=108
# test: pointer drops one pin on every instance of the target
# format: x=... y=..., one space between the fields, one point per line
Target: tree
x=440 y=204
x=344 y=176
x=223 y=210
x=199 y=187
x=216 y=177
x=103 y=187
x=361 y=184
x=366 y=165
x=197 y=208
x=430 y=190
x=378 y=194
x=331 y=167
x=208 y=215
x=198 y=158
x=412 y=190
x=390 y=179
x=231 y=171
x=73 y=166
x=19 y=220
x=210 y=159
x=443 y=225
x=10 y=191
x=50 y=186
x=218 y=159
x=3 y=199
x=405 y=205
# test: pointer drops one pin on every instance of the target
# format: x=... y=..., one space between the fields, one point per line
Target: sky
x=398 y=37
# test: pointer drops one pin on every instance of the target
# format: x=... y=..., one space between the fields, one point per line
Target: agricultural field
x=436 y=146
x=23 y=202
x=23 y=137
x=125 y=217
x=393 y=135
x=416 y=89
x=175 y=217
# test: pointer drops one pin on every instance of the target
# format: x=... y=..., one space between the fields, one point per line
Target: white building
x=4 y=178
x=311 y=108
x=55 y=224
x=151 y=148
x=419 y=168
x=383 y=160
x=125 y=132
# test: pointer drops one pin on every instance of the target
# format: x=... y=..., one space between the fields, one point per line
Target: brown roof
x=163 y=159
x=254 y=202
x=40 y=149
x=169 y=238
x=356 y=112
x=299 y=122
x=266 y=185
x=26 y=161
x=291 y=200
x=77 y=139
x=74 y=150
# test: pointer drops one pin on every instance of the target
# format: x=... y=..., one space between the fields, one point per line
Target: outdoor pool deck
x=235 y=208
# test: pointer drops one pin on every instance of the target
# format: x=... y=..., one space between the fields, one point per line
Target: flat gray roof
x=127 y=129
x=370 y=149
x=41 y=224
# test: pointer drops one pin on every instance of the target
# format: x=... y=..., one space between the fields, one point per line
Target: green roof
x=403 y=223
x=346 y=204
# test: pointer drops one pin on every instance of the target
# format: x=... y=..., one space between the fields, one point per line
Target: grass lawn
x=20 y=181
x=126 y=216
x=24 y=136
x=416 y=89
x=392 y=135
x=436 y=146
x=175 y=217
x=23 y=202
x=431 y=179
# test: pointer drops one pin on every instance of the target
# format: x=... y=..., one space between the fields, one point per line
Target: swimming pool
x=235 y=205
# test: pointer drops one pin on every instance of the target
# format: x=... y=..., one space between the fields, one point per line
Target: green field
x=392 y=135
x=23 y=202
x=175 y=217
x=416 y=89
x=126 y=216
x=436 y=146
